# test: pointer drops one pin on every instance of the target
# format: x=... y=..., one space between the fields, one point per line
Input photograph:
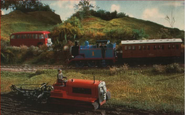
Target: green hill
x=91 y=28
x=17 y=21
x=124 y=28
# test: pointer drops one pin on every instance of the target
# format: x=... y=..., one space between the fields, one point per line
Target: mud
x=12 y=105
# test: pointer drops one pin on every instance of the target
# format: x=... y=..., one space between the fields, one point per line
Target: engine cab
x=81 y=91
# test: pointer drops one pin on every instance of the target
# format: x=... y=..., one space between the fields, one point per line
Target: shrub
x=173 y=68
x=24 y=49
x=170 y=68
x=124 y=68
x=158 y=68
x=115 y=70
x=33 y=50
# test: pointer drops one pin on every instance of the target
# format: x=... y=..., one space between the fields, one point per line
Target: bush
x=24 y=49
x=170 y=68
x=173 y=68
x=158 y=68
x=115 y=70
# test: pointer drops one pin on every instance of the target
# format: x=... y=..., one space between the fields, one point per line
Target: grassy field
x=137 y=88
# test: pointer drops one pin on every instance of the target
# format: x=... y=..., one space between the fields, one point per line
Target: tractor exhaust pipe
x=93 y=78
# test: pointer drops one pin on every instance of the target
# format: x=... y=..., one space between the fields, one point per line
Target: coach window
x=24 y=36
x=148 y=47
x=144 y=47
x=159 y=47
x=129 y=47
x=163 y=47
x=177 y=46
x=169 y=47
x=12 y=36
x=21 y=36
x=46 y=35
x=140 y=48
x=133 y=47
x=18 y=36
x=30 y=36
x=125 y=47
x=41 y=36
x=155 y=47
x=36 y=36
x=173 y=46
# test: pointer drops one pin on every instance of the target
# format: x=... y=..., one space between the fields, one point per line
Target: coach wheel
x=79 y=63
x=91 y=63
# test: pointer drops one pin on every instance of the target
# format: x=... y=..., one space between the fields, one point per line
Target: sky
x=154 y=11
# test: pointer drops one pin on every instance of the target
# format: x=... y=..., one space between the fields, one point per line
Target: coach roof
x=32 y=32
x=176 y=40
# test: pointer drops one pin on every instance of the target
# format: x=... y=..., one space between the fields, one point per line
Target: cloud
x=115 y=7
x=65 y=4
x=152 y=14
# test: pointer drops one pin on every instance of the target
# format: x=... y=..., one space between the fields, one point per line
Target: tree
x=25 y=5
x=83 y=7
x=170 y=19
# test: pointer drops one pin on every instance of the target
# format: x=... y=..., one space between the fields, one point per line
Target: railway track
x=34 y=68
x=27 y=68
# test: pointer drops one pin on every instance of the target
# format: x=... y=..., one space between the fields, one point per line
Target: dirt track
x=10 y=105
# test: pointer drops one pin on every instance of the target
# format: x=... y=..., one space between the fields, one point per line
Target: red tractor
x=75 y=92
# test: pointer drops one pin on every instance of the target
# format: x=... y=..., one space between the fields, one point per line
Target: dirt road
x=10 y=105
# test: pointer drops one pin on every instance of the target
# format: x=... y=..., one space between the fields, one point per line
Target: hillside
x=17 y=21
x=122 y=28
x=91 y=28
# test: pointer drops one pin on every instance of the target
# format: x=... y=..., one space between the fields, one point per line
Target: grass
x=18 y=21
x=133 y=89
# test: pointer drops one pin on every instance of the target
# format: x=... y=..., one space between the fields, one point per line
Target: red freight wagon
x=34 y=38
x=151 y=48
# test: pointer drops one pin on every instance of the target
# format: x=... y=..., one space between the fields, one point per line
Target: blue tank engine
x=101 y=54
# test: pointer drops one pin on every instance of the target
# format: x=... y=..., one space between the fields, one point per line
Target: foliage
x=25 y=5
x=65 y=32
x=74 y=21
x=170 y=68
x=83 y=7
x=139 y=34
x=173 y=68
x=106 y=15
x=116 y=70
x=158 y=69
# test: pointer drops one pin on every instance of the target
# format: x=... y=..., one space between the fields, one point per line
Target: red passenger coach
x=157 y=48
x=34 y=38
x=80 y=92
